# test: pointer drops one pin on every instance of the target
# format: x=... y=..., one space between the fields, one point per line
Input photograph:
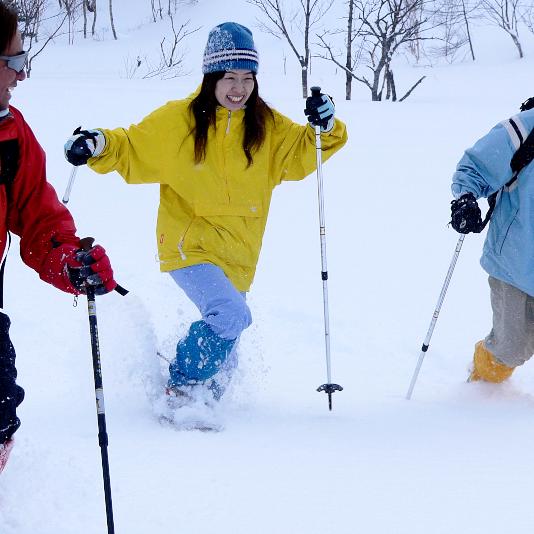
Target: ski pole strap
x=121 y=290
x=2 y=269
x=492 y=200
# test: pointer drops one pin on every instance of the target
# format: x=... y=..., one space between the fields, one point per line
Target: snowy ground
x=456 y=458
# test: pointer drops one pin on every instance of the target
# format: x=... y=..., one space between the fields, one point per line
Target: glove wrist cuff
x=100 y=143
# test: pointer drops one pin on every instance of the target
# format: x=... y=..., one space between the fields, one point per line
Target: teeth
x=235 y=98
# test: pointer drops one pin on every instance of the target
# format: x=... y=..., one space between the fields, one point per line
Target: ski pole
x=441 y=298
x=86 y=244
x=100 y=410
x=329 y=388
x=66 y=196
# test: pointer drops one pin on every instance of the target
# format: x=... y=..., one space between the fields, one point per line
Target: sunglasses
x=16 y=62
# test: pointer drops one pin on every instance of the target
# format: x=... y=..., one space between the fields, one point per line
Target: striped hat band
x=230 y=55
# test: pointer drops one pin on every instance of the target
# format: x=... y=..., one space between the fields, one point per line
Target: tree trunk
x=466 y=19
x=392 y=91
x=515 y=39
x=348 y=63
x=84 y=20
x=111 y=19
x=304 y=77
x=94 y=20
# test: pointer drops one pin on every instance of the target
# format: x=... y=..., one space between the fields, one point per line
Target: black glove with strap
x=465 y=215
x=84 y=144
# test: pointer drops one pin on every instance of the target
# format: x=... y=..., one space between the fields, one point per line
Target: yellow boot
x=487 y=368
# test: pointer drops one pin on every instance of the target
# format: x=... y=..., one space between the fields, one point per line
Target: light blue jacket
x=485 y=168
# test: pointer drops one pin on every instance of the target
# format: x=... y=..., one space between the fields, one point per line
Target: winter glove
x=320 y=111
x=69 y=268
x=84 y=144
x=465 y=215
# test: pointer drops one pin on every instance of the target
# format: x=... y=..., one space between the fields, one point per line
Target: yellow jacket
x=216 y=211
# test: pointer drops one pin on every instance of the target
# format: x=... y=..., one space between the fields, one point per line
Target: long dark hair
x=204 y=106
x=8 y=26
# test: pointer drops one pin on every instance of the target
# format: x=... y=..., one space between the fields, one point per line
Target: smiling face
x=234 y=89
x=8 y=77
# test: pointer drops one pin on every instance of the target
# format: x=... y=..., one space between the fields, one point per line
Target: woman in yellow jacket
x=217 y=156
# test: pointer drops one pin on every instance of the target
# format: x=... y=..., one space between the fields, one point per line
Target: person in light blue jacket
x=508 y=257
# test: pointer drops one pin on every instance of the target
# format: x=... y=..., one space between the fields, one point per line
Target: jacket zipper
x=228 y=123
x=226 y=133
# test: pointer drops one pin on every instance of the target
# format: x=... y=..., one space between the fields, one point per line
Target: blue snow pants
x=207 y=349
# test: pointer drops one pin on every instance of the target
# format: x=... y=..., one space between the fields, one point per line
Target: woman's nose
x=21 y=75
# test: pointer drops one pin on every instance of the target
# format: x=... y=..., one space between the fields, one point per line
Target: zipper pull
x=228 y=123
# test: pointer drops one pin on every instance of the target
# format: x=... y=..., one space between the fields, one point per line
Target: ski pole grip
x=315 y=91
x=86 y=244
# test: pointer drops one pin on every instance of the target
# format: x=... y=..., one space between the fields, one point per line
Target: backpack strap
x=2 y=270
x=523 y=141
x=9 y=164
x=523 y=155
x=9 y=161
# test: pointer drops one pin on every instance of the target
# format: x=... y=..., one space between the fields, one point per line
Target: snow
x=456 y=458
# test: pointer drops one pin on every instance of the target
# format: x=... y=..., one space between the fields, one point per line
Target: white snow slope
x=457 y=458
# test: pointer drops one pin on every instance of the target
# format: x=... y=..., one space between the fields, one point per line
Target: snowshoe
x=190 y=408
x=5 y=450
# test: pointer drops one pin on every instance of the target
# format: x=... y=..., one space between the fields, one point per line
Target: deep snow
x=456 y=458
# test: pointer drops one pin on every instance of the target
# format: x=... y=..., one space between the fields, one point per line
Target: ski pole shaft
x=435 y=315
x=100 y=409
x=66 y=196
x=324 y=266
x=328 y=388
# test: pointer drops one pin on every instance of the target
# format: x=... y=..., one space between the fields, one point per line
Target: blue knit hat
x=230 y=46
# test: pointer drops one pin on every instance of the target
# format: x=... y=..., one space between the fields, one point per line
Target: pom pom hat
x=230 y=46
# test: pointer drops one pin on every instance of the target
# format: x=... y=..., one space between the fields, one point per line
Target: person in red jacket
x=29 y=207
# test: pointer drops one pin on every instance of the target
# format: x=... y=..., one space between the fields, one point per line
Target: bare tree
x=384 y=27
x=528 y=17
x=300 y=21
x=30 y=14
x=157 y=9
x=452 y=19
x=171 y=56
x=504 y=14
x=55 y=24
x=72 y=10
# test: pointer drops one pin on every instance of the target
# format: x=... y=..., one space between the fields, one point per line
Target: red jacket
x=29 y=206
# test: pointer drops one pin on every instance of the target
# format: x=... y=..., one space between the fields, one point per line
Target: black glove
x=320 y=110
x=84 y=144
x=465 y=215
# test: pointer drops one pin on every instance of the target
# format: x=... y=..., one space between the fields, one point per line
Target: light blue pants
x=209 y=346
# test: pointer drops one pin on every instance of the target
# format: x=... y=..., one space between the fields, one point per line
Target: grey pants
x=511 y=339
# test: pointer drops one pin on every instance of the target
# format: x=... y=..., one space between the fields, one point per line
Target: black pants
x=11 y=395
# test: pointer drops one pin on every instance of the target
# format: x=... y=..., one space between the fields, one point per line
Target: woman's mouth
x=235 y=99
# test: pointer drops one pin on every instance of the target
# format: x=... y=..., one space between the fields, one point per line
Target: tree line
x=363 y=39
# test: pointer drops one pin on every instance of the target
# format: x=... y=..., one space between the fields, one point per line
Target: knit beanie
x=230 y=46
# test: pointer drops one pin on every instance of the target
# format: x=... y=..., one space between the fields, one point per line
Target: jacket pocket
x=504 y=230
x=227 y=234
x=234 y=210
x=182 y=238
